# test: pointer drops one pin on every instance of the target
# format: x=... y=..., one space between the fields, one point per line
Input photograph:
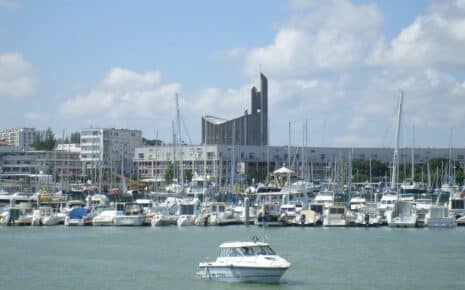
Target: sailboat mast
x=181 y=158
x=395 y=161
x=413 y=155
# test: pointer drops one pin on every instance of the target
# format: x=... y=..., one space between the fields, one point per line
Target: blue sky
x=338 y=64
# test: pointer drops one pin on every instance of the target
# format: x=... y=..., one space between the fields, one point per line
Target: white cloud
x=434 y=39
x=124 y=78
x=330 y=62
x=329 y=36
x=15 y=76
x=124 y=94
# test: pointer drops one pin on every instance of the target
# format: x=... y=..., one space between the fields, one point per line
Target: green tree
x=188 y=175
x=45 y=140
x=169 y=173
x=75 y=137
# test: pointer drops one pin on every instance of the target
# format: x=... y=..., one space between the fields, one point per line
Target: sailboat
x=403 y=214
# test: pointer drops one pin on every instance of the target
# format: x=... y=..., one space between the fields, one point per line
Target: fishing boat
x=252 y=261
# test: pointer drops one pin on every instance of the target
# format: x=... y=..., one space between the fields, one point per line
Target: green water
x=167 y=258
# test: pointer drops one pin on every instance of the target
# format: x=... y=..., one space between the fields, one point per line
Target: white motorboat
x=76 y=217
x=457 y=204
x=357 y=202
x=335 y=216
x=105 y=218
x=44 y=216
x=187 y=212
x=245 y=262
x=439 y=217
x=269 y=213
x=404 y=215
x=161 y=219
x=131 y=215
x=216 y=214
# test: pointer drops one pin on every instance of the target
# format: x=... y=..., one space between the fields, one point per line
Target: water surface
x=167 y=258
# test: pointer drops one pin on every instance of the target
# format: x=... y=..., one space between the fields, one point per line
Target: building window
x=141 y=155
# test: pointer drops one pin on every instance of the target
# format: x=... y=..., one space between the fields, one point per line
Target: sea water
x=168 y=257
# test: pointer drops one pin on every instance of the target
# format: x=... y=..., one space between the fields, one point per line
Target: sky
x=337 y=64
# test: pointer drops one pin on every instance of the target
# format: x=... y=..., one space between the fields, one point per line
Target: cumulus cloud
x=436 y=38
x=319 y=37
x=15 y=76
x=331 y=62
x=124 y=94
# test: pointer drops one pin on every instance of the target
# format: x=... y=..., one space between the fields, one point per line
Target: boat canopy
x=78 y=212
x=284 y=170
x=243 y=244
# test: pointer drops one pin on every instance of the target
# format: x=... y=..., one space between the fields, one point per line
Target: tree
x=188 y=174
x=169 y=173
x=45 y=140
x=75 y=137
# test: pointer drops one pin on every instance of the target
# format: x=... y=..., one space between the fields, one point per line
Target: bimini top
x=215 y=120
x=243 y=244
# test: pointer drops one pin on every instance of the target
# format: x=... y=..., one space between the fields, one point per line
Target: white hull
x=242 y=274
x=49 y=221
x=129 y=220
x=403 y=222
x=162 y=220
x=332 y=221
x=74 y=222
x=102 y=222
x=445 y=222
x=186 y=220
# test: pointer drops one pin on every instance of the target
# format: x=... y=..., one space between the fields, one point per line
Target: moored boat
x=245 y=262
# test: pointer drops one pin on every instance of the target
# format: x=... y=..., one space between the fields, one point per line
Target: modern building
x=109 y=148
x=249 y=129
x=19 y=137
x=16 y=164
x=72 y=147
x=221 y=161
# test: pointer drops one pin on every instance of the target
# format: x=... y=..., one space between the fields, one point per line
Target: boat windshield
x=247 y=251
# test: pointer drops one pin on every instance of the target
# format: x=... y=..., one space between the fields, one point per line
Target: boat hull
x=242 y=274
x=128 y=220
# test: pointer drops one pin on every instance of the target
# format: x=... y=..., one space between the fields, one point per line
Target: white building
x=19 y=137
x=151 y=162
x=73 y=147
x=108 y=149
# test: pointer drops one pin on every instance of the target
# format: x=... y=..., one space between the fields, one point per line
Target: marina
x=246 y=145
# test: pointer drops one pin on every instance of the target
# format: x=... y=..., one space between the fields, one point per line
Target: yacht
x=438 y=217
x=131 y=214
x=44 y=216
x=457 y=204
x=106 y=217
x=187 y=213
x=162 y=219
x=335 y=216
x=76 y=217
x=403 y=215
x=245 y=262
x=216 y=214
x=324 y=198
x=269 y=213
x=356 y=203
